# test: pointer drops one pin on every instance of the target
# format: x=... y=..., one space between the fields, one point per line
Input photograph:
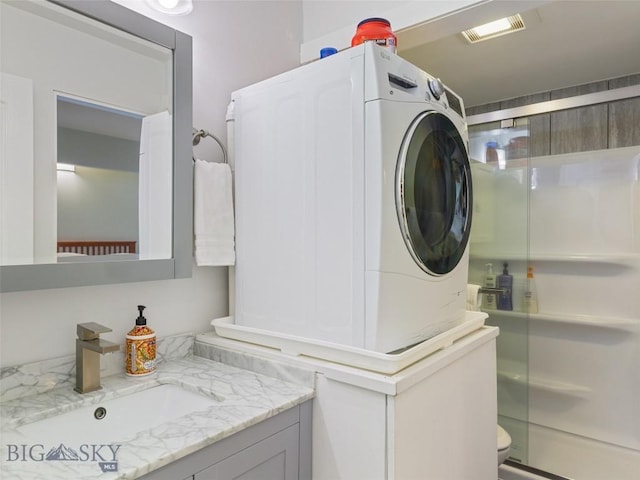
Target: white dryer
x=353 y=202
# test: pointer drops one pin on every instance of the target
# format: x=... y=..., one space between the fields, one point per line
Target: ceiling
x=564 y=43
x=93 y=118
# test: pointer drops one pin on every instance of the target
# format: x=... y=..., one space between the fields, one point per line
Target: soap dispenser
x=505 y=282
x=140 y=348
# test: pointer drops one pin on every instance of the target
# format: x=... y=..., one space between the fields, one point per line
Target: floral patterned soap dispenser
x=140 y=348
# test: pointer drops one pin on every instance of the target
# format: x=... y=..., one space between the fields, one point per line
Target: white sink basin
x=115 y=419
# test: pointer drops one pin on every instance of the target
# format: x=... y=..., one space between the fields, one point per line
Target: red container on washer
x=375 y=30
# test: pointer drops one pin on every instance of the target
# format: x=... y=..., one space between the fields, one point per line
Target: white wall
x=329 y=23
x=235 y=44
x=97 y=203
x=100 y=199
x=16 y=164
x=323 y=16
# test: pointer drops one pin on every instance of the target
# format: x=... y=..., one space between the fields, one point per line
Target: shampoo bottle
x=140 y=348
x=505 y=281
x=530 y=293
x=490 y=281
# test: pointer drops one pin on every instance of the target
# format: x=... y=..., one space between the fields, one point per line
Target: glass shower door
x=559 y=191
x=499 y=238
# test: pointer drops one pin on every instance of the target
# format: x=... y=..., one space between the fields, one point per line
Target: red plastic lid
x=375 y=19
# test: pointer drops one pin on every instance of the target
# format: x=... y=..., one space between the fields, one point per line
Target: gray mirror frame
x=15 y=278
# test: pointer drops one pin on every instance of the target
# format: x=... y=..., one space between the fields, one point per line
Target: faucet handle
x=91 y=330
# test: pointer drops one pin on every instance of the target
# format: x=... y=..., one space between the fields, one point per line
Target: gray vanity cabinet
x=278 y=448
x=273 y=458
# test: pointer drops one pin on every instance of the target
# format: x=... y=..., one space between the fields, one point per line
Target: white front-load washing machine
x=353 y=202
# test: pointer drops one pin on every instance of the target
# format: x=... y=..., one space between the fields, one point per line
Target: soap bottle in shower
x=491 y=152
x=505 y=282
x=140 y=348
x=490 y=282
x=530 y=293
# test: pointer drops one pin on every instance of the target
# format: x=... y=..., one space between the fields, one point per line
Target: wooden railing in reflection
x=100 y=247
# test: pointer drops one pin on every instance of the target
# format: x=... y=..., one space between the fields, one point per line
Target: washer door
x=433 y=193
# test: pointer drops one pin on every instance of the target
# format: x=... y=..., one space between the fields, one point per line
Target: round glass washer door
x=433 y=193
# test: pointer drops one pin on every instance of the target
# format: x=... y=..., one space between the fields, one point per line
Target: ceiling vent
x=494 y=29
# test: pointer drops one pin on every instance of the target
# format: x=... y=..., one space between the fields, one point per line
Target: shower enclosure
x=557 y=188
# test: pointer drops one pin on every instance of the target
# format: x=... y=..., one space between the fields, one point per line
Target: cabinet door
x=274 y=458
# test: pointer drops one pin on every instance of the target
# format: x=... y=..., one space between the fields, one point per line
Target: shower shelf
x=615 y=323
x=543 y=383
x=602 y=258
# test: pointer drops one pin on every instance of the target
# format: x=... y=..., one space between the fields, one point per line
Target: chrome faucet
x=89 y=347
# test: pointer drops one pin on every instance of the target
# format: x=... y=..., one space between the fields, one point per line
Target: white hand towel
x=213 y=214
x=474 y=299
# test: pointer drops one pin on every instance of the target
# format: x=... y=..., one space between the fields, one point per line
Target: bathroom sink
x=115 y=419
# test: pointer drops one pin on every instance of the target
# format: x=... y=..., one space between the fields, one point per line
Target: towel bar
x=200 y=134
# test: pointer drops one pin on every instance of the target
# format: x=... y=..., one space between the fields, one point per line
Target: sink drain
x=100 y=413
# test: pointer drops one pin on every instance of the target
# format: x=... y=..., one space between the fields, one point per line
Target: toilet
x=504 y=444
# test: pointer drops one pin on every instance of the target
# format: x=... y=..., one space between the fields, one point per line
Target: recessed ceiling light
x=494 y=29
x=171 y=7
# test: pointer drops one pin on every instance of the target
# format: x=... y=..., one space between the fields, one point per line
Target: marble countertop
x=244 y=398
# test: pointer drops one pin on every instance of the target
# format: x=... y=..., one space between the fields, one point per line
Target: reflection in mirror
x=60 y=61
x=78 y=91
x=114 y=204
x=98 y=197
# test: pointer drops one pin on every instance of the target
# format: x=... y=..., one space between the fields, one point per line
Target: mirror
x=108 y=92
